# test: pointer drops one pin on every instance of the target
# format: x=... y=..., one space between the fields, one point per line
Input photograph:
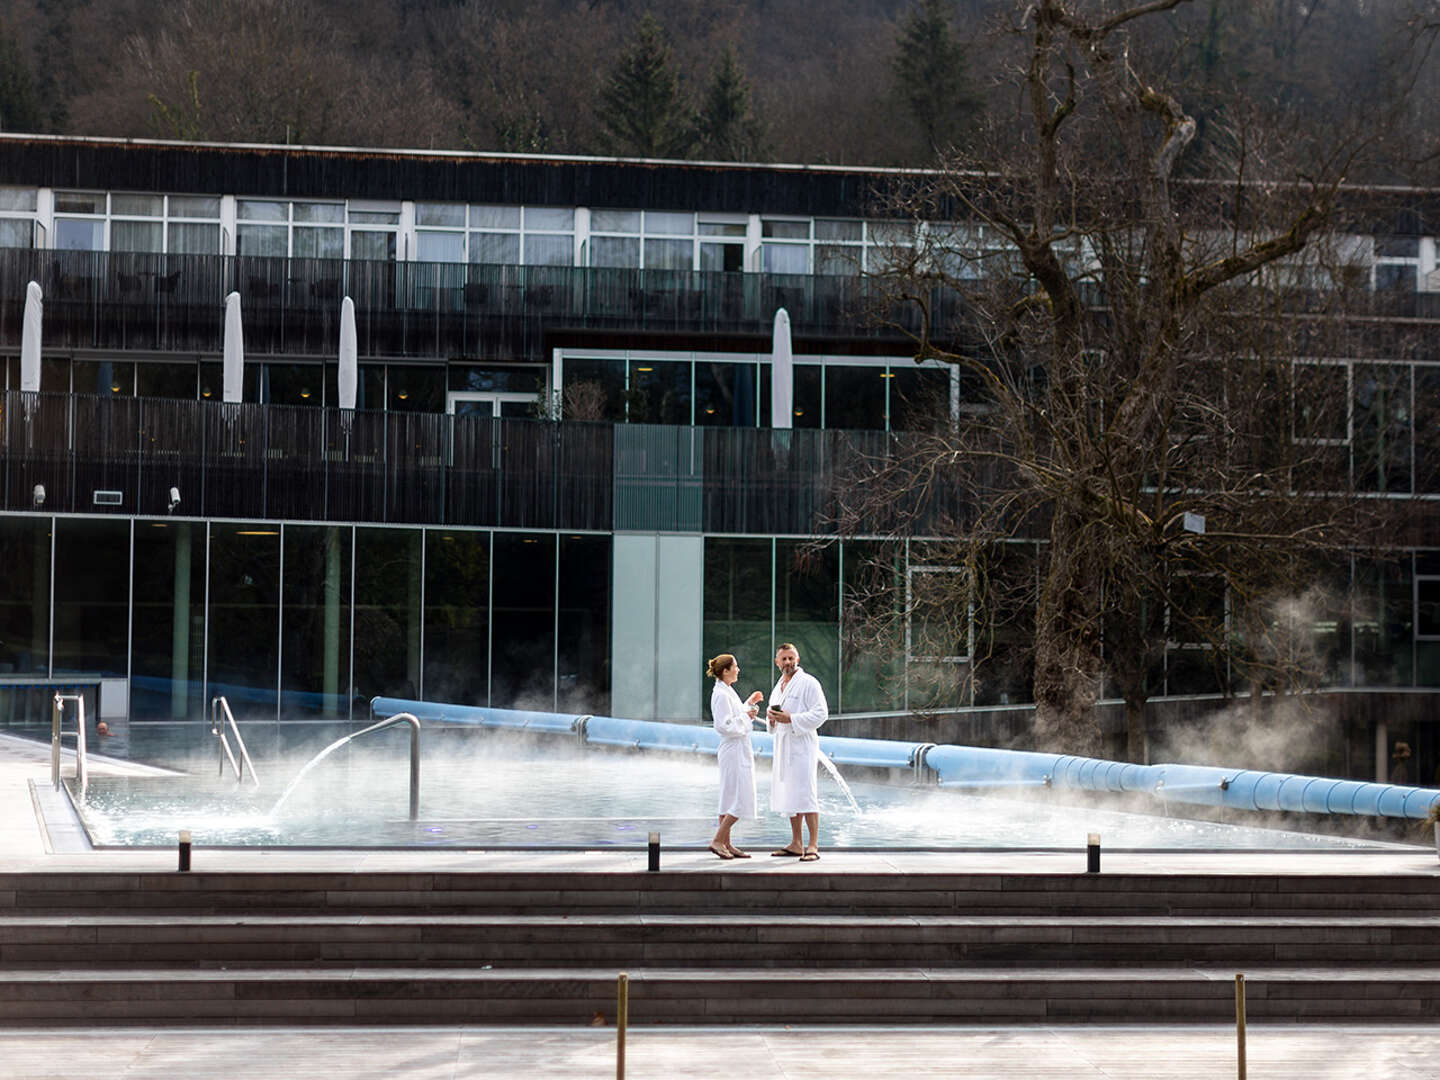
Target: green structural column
x=180 y=627
x=332 y=620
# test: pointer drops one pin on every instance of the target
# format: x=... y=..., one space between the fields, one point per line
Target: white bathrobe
x=735 y=754
x=797 y=746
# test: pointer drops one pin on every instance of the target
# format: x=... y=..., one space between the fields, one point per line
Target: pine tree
x=727 y=128
x=930 y=74
x=20 y=108
x=641 y=113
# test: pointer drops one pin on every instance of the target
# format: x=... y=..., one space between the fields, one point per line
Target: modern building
x=560 y=487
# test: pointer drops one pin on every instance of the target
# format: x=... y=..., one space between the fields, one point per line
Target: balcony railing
x=116 y=300
x=122 y=455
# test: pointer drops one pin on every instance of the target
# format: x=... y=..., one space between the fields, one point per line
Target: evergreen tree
x=930 y=74
x=641 y=113
x=19 y=99
x=727 y=128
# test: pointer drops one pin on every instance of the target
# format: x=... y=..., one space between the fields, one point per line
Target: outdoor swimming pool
x=485 y=789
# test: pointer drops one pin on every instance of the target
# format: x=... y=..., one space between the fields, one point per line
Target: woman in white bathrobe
x=733 y=720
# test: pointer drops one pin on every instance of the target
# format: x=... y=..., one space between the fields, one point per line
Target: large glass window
x=855 y=397
x=919 y=397
x=594 y=389
x=92 y=595
x=414 y=388
x=25 y=595
x=522 y=674
x=457 y=616
x=315 y=665
x=387 y=613
x=872 y=671
x=659 y=392
x=113 y=378
x=167 y=650
x=583 y=645
x=244 y=606
x=166 y=380
x=736 y=617
x=807 y=608
x=725 y=394
x=1427 y=428
x=1382 y=427
x=1383 y=619
x=17 y=217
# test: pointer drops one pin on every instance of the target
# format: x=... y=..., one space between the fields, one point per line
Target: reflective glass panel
x=73 y=234
x=194 y=239
x=495 y=217
x=495 y=248
x=194 y=206
x=457 y=616
x=448 y=247
x=785 y=230
x=16 y=232
x=614 y=251
x=440 y=214
x=319 y=243
x=113 y=378
x=262 y=210
x=137 y=205
x=244 y=616
x=387 y=613
x=135 y=236
x=550 y=219
x=785 y=258
x=736 y=615
x=319 y=211
x=166 y=380
x=807 y=609
x=167 y=650
x=919 y=397
x=659 y=392
x=549 y=250
x=669 y=254
x=854 y=397
x=523 y=649
x=18 y=198
x=25 y=594
x=626 y=221
x=583 y=647
x=79 y=202
x=594 y=389
x=315 y=665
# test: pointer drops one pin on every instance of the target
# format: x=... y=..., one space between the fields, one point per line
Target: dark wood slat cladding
x=291 y=307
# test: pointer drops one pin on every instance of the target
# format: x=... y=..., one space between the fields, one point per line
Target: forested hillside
x=865 y=82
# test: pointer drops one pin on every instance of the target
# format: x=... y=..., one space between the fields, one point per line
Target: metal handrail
x=409 y=718
x=219 y=706
x=414 y=722
x=57 y=713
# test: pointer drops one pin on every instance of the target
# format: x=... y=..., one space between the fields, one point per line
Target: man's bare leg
x=812 y=822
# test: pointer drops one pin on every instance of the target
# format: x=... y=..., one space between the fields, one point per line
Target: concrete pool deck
x=780 y=1052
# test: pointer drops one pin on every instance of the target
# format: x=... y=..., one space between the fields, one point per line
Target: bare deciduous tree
x=1143 y=358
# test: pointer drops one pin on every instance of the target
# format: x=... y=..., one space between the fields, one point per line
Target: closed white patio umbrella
x=349 y=354
x=782 y=373
x=234 y=351
x=30 y=338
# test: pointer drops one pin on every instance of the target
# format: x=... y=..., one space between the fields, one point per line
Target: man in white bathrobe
x=797 y=709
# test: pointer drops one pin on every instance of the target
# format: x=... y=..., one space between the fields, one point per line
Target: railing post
x=1240 y=1027
x=415 y=770
x=622 y=1020
x=55 y=710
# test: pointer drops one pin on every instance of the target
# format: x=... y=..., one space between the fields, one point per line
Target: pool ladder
x=222 y=724
x=56 y=716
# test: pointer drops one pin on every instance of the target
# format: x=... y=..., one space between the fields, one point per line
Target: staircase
x=753 y=946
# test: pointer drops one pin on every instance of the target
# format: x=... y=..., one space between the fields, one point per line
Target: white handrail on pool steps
x=57 y=713
x=219 y=706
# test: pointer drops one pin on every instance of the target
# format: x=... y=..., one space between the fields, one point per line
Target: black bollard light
x=184 y=849
x=654 y=852
x=1092 y=853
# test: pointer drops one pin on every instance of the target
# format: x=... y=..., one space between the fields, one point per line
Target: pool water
x=482 y=789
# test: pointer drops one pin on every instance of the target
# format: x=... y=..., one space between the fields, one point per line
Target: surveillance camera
x=39 y=494
x=174 y=499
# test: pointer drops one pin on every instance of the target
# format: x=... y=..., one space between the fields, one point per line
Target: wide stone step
x=509 y=941
x=726 y=996
x=729 y=892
